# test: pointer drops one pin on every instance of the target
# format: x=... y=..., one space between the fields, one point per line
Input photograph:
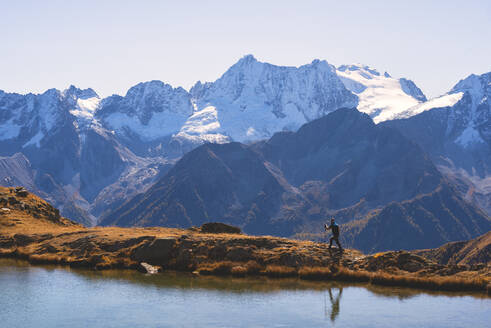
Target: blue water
x=33 y=296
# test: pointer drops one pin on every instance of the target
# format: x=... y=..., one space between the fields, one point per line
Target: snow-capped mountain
x=380 y=96
x=455 y=129
x=88 y=153
x=71 y=155
x=253 y=100
x=150 y=110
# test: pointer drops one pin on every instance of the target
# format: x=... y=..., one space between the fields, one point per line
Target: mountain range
x=338 y=164
x=89 y=155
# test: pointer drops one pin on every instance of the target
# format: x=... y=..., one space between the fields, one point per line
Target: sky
x=113 y=45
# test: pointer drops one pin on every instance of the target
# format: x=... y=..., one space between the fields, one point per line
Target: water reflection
x=332 y=306
x=182 y=280
x=124 y=298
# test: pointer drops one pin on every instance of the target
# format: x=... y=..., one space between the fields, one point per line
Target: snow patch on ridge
x=203 y=126
x=469 y=137
x=86 y=108
x=35 y=140
x=380 y=96
x=9 y=130
x=439 y=102
x=162 y=124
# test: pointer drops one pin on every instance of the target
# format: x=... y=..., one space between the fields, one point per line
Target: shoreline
x=32 y=229
x=276 y=258
x=232 y=281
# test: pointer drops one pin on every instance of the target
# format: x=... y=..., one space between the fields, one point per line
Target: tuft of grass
x=44 y=258
x=218 y=268
x=315 y=273
x=344 y=274
x=378 y=254
x=238 y=271
x=253 y=267
x=279 y=271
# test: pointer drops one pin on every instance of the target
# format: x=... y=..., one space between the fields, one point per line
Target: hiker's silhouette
x=334 y=300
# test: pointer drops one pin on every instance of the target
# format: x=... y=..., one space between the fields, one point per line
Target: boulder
x=148 y=268
x=21 y=192
x=218 y=227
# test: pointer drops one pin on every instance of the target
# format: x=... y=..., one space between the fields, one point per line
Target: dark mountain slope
x=355 y=158
x=226 y=182
x=426 y=221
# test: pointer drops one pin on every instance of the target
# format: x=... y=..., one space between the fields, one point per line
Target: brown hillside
x=27 y=212
x=469 y=252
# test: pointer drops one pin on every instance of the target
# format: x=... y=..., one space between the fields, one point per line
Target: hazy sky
x=112 y=45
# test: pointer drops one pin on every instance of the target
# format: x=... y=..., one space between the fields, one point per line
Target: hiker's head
x=332 y=220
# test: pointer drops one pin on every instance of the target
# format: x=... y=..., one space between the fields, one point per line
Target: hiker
x=335 y=233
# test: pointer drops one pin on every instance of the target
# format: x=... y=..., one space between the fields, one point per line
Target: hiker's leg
x=338 y=243
x=330 y=242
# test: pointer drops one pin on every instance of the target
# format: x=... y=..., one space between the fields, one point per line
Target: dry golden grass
x=239 y=271
x=279 y=271
x=344 y=274
x=315 y=273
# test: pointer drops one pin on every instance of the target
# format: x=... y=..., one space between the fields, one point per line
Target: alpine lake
x=59 y=296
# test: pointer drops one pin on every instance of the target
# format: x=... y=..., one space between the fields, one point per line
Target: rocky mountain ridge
x=86 y=154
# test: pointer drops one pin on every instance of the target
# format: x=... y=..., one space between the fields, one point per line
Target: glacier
x=382 y=97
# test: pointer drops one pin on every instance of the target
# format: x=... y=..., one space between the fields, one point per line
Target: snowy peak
x=253 y=100
x=477 y=86
x=149 y=110
x=476 y=110
x=468 y=111
x=29 y=118
x=362 y=69
x=74 y=92
x=380 y=96
x=410 y=88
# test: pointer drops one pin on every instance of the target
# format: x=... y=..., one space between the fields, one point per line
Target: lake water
x=50 y=296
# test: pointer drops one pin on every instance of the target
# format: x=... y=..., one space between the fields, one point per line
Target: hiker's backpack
x=335 y=229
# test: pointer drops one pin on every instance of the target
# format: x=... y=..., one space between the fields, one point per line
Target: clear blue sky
x=112 y=45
